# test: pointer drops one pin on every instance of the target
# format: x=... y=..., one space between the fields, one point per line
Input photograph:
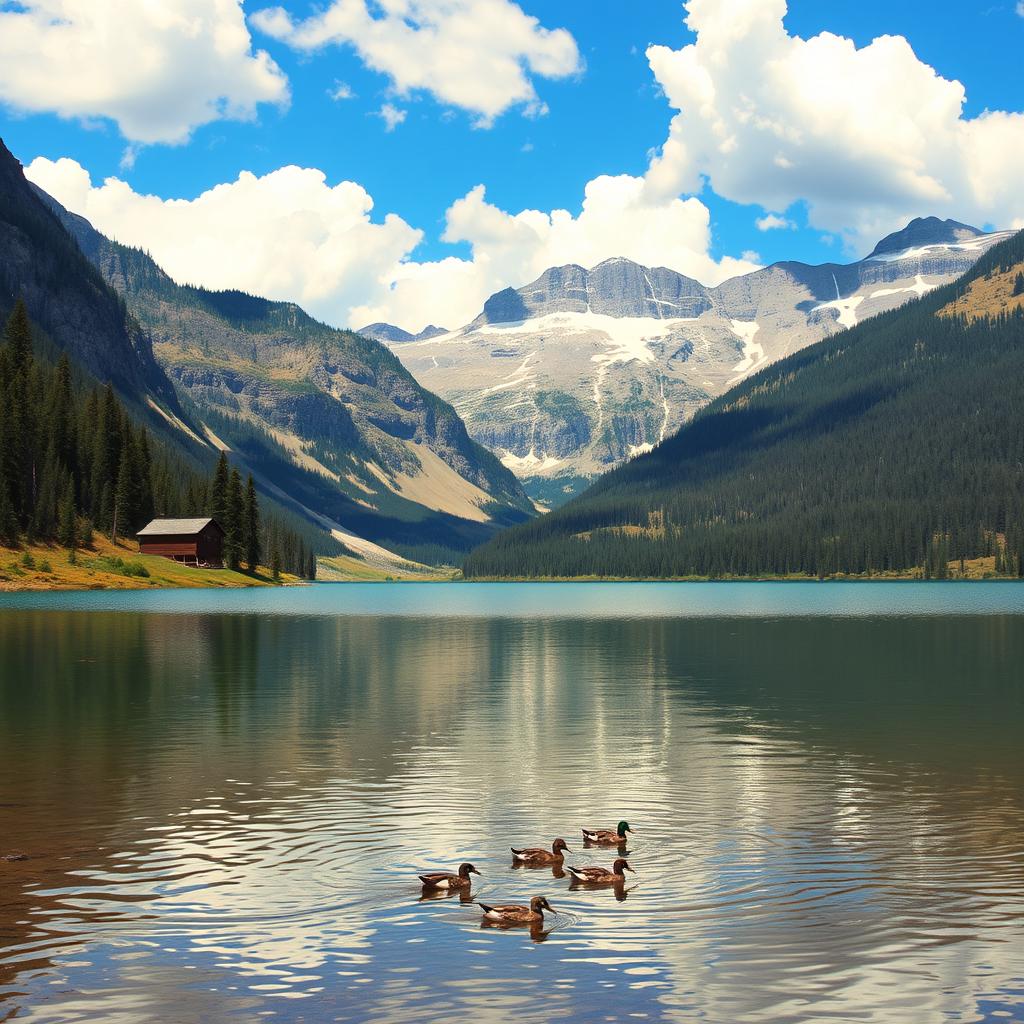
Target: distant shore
x=106 y=566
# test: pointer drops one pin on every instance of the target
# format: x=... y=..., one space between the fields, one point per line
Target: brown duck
x=601 y=876
x=607 y=837
x=514 y=914
x=536 y=855
x=445 y=880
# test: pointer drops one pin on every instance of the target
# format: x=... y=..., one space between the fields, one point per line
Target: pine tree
x=235 y=521
x=1018 y=284
x=123 y=496
x=17 y=454
x=218 y=496
x=275 y=563
x=106 y=458
x=142 y=475
x=251 y=517
x=66 y=526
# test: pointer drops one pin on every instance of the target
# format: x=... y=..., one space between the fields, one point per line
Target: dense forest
x=895 y=446
x=73 y=461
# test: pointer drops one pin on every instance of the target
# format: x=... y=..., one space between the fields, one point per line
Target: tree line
x=74 y=461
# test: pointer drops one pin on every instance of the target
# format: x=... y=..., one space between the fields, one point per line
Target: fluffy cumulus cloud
x=292 y=235
x=478 y=55
x=287 y=235
x=157 y=69
x=617 y=218
x=867 y=137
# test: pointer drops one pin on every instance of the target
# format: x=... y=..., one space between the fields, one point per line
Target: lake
x=214 y=805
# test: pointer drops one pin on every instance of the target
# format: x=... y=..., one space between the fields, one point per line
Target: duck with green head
x=607 y=837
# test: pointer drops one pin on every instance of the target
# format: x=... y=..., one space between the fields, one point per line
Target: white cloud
x=867 y=137
x=342 y=91
x=617 y=218
x=773 y=222
x=286 y=235
x=1020 y=8
x=158 y=69
x=392 y=116
x=291 y=235
x=478 y=55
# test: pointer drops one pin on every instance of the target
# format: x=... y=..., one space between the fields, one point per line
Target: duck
x=601 y=876
x=446 y=880
x=536 y=855
x=514 y=914
x=607 y=837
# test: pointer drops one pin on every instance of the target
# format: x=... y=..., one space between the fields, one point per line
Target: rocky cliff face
x=66 y=297
x=333 y=419
x=581 y=369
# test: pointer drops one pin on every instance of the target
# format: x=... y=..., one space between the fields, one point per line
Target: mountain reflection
x=227 y=813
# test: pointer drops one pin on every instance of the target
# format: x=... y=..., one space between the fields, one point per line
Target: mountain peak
x=926 y=231
x=391 y=335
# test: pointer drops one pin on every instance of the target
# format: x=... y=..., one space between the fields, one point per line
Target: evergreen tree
x=251 y=517
x=106 y=458
x=123 y=496
x=66 y=528
x=218 y=494
x=275 y=563
x=234 y=526
x=17 y=455
x=1018 y=284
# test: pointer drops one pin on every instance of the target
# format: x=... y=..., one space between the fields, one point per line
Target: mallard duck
x=535 y=855
x=445 y=880
x=513 y=914
x=601 y=876
x=605 y=836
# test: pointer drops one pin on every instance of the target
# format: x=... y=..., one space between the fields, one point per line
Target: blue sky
x=607 y=118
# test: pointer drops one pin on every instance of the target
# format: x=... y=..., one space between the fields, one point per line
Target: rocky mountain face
x=68 y=299
x=582 y=369
x=331 y=420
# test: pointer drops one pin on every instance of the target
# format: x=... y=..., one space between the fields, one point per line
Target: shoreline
x=40 y=568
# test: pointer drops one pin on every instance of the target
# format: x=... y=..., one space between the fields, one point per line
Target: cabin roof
x=176 y=527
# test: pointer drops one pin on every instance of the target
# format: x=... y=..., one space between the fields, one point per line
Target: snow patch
x=753 y=351
x=973 y=245
x=847 y=309
x=919 y=287
x=529 y=464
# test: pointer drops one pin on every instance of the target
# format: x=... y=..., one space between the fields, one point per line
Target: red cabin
x=192 y=541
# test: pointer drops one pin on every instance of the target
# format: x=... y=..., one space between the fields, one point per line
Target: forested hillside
x=73 y=460
x=894 y=446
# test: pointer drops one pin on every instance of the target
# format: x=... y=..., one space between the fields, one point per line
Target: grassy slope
x=345 y=569
x=95 y=570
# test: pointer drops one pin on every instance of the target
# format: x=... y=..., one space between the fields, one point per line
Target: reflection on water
x=224 y=815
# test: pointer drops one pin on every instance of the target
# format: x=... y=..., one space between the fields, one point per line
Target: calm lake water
x=224 y=800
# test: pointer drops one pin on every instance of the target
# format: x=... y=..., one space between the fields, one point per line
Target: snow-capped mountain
x=571 y=374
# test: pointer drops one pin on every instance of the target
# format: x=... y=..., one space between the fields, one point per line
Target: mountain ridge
x=892 y=447
x=578 y=370
x=351 y=433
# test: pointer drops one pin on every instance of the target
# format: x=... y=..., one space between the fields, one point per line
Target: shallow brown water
x=223 y=813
